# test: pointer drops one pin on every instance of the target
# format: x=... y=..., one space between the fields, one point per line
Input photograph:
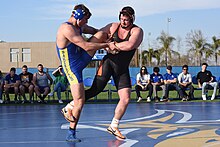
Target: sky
x=38 y=20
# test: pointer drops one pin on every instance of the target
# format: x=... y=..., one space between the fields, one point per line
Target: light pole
x=149 y=39
x=168 y=21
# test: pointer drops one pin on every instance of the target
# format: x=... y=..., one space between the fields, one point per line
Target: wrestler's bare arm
x=110 y=29
x=134 y=40
x=86 y=29
x=71 y=34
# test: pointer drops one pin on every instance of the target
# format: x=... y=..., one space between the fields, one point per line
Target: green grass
x=104 y=97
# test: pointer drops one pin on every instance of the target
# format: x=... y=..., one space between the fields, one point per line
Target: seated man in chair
x=12 y=82
x=170 y=80
x=206 y=79
x=157 y=82
x=41 y=85
x=185 y=81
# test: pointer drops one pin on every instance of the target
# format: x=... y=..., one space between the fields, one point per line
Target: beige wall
x=41 y=52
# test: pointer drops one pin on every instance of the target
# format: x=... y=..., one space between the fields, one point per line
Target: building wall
x=41 y=52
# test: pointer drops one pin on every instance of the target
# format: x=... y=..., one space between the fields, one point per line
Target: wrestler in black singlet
x=116 y=66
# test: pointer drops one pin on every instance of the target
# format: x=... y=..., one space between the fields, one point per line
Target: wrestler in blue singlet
x=73 y=59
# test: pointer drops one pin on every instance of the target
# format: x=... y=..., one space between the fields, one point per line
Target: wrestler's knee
x=125 y=100
x=100 y=36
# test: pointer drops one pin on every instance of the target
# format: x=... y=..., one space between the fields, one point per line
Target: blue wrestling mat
x=182 y=124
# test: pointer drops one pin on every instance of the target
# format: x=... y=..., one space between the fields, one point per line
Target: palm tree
x=175 y=60
x=214 y=49
x=197 y=44
x=157 y=55
x=166 y=41
x=149 y=55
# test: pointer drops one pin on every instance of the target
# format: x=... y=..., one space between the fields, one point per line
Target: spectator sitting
x=206 y=79
x=12 y=82
x=61 y=83
x=40 y=81
x=157 y=82
x=26 y=84
x=185 y=81
x=143 y=84
x=170 y=81
x=1 y=86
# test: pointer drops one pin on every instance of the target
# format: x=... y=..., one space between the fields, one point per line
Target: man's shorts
x=42 y=88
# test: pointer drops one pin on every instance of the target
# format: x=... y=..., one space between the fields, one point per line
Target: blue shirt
x=10 y=79
x=170 y=76
x=156 y=78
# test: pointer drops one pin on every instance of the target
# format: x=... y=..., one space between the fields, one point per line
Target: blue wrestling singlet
x=73 y=59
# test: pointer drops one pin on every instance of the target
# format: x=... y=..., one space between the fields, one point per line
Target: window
x=14 y=55
x=101 y=51
x=26 y=55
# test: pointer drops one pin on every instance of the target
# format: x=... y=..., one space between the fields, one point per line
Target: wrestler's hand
x=111 y=51
x=112 y=48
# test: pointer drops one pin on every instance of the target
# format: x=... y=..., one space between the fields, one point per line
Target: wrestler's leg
x=123 y=83
x=101 y=79
x=124 y=92
x=98 y=38
x=77 y=91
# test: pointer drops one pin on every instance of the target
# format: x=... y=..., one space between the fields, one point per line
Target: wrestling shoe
x=71 y=137
x=116 y=132
x=67 y=115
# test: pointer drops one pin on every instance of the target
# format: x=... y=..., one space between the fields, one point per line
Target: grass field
x=105 y=96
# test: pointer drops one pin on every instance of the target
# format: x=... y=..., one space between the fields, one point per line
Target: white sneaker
x=204 y=97
x=50 y=94
x=213 y=97
x=1 y=101
x=139 y=99
x=60 y=101
x=148 y=99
